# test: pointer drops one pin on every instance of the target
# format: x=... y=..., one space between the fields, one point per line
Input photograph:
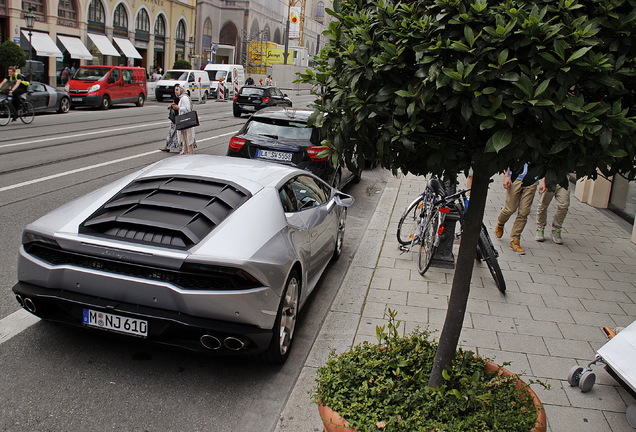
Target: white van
x=231 y=74
x=196 y=83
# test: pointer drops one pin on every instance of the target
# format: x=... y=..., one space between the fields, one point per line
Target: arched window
x=38 y=6
x=142 y=23
x=207 y=33
x=67 y=13
x=120 y=21
x=96 y=16
x=160 y=27
x=320 y=12
x=181 y=32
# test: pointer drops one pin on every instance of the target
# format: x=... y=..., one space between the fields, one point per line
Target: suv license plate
x=116 y=323
x=274 y=155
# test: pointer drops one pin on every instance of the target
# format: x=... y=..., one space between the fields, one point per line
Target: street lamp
x=30 y=23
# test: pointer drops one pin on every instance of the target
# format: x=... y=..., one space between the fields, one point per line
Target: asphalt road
x=55 y=378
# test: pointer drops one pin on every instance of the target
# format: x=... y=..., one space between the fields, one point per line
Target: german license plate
x=248 y=107
x=115 y=323
x=76 y=99
x=274 y=155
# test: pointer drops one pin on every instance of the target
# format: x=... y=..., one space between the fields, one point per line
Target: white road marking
x=99 y=165
x=79 y=135
x=16 y=323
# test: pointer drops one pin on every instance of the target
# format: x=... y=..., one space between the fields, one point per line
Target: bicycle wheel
x=28 y=113
x=427 y=243
x=408 y=225
x=5 y=114
x=486 y=249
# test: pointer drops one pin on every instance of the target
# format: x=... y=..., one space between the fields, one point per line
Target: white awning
x=43 y=44
x=75 y=47
x=127 y=47
x=103 y=45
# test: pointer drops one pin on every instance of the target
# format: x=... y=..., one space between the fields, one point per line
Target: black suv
x=253 y=98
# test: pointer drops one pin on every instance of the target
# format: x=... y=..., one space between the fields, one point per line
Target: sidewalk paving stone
x=558 y=298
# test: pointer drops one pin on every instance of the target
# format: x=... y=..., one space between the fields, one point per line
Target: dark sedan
x=282 y=135
x=47 y=98
x=253 y=98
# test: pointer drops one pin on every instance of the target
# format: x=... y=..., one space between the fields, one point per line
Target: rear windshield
x=176 y=75
x=250 y=91
x=91 y=74
x=283 y=129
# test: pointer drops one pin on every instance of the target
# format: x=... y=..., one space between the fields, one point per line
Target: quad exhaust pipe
x=214 y=343
x=26 y=303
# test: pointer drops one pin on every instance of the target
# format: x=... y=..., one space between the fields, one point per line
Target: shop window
x=67 y=13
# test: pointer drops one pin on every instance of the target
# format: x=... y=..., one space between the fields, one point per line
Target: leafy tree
x=182 y=64
x=439 y=86
x=11 y=55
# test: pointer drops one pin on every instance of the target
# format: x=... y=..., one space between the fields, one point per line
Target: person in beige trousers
x=562 y=197
x=519 y=199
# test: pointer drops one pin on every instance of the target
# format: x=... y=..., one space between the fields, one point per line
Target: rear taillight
x=314 y=153
x=236 y=143
x=265 y=99
x=235 y=98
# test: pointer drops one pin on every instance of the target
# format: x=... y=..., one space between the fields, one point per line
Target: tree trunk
x=460 y=289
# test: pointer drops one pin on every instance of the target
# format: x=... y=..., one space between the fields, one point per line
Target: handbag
x=187 y=120
x=172 y=115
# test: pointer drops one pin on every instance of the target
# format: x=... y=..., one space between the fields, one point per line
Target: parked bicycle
x=26 y=113
x=423 y=224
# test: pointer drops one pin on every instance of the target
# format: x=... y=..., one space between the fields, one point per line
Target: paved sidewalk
x=557 y=300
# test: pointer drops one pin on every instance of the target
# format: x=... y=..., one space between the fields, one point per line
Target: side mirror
x=343 y=200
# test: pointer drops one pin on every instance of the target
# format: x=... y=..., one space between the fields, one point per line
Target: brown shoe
x=515 y=246
x=499 y=231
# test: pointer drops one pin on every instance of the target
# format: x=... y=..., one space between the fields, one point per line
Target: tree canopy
x=11 y=55
x=439 y=86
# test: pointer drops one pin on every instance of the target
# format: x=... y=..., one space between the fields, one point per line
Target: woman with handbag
x=172 y=140
x=188 y=141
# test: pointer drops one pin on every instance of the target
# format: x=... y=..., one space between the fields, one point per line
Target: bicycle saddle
x=437 y=186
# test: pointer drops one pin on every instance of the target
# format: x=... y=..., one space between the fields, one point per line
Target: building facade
x=70 y=33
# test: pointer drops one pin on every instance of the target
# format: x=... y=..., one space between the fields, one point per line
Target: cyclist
x=18 y=85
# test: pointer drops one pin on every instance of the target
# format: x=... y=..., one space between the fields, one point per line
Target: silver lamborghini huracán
x=207 y=253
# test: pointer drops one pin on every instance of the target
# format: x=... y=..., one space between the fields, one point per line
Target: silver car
x=207 y=253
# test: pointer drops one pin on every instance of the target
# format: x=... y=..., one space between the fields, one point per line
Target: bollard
x=220 y=95
x=444 y=257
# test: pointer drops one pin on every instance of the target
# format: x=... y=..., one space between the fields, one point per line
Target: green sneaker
x=556 y=236
x=539 y=235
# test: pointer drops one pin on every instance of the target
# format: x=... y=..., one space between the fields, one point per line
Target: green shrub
x=384 y=387
x=182 y=64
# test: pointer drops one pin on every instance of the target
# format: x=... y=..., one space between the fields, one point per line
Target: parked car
x=282 y=135
x=253 y=98
x=47 y=98
x=172 y=254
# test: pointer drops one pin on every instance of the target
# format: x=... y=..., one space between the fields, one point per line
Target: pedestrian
x=562 y=197
x=173 y=141
x=66 y=72
x=249 y=80
x=260 y=81
x=519 y=199
x=188 y=140
x=269 y=81
x=72 y=70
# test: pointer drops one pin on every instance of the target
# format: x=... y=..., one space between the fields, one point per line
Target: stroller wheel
x=575 y=375
x=588 y=378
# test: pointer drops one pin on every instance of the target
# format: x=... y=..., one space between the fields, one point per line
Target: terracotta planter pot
x=332 y=421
